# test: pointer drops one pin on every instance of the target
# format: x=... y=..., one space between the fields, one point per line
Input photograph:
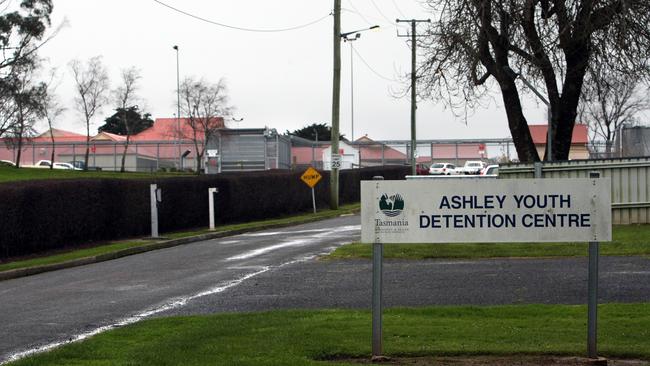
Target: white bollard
x=211 y=193
x=156 y=197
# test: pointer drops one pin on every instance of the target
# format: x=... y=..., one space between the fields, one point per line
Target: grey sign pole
x=211 y=193
x=377 y=262
x=538 y=169
x=592 y=305
x=313 y=198
x=153 y=189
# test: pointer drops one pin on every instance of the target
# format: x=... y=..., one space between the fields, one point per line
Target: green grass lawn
x=626 y=240
x=312 y=337
x=10 y=174
x=121 y=245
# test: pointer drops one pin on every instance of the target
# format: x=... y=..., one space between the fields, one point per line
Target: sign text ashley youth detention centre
x=505 y=210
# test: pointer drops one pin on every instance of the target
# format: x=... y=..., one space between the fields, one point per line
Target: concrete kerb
x=29 y=271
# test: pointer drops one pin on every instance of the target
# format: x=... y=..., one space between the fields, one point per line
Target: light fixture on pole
x=237 y=120
x=178 y=107
x=346 y=38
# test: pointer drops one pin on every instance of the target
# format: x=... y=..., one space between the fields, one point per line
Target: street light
x=178 y=106
x=346 y=38
x=237 y=120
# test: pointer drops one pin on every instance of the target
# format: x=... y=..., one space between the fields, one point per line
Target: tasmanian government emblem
x=391 y=206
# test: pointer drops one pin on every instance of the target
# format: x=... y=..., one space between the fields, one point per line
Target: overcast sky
x=278 y=79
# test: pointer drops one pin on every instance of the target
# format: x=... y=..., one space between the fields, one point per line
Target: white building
x=349 y=156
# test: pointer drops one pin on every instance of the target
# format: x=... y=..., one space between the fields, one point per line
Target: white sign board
x=213 y=153
x=482 y=211
x=336 y=161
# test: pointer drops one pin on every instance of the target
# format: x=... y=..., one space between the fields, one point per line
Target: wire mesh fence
x=152 y=156
x=107 y=155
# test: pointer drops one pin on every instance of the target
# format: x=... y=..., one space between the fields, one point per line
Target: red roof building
x=372 y=152
x=166 y=129
x=579 y=140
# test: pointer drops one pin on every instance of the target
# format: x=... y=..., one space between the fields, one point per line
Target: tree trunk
x=20 y=151
x=577 y=59
x=126 y=147
x=128 y=136
x=517 y=123
x=199 y=158
x=87 y=146
x=52 y=155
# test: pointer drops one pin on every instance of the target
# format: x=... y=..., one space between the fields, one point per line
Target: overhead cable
x=241 y=28
x=370 y=67
x=382 y=13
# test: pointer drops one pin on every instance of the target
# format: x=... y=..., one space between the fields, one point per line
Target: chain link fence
x=108 y=155
x=398 y=152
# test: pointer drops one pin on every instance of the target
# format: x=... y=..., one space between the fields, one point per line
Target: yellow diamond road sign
x=311 y=177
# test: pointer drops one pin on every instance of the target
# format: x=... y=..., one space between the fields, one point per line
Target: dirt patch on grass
x=496 y=361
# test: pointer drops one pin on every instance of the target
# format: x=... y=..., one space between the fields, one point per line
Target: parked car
x=421 y=169
x=473 y=167
x=7 y=163
x=65 y=166
x=80 y=165
x=491 y=170
x=43 y=164
x=443 y=169
x=77 y=164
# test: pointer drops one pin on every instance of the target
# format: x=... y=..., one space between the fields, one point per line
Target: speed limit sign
x=336 y=161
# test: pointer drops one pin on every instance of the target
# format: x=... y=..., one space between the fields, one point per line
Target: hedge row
x=38 y=216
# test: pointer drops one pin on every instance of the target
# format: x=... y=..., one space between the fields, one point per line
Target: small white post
x=211 y=193
x=153 y=190
x=313 y=198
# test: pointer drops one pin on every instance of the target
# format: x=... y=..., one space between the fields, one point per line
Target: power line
x=381 y=12
x=370 y=67
x=398 y=9
x=241 y=28
x=357 y=12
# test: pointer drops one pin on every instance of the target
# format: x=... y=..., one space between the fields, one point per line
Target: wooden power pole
x=335 y=158
x=413 y=85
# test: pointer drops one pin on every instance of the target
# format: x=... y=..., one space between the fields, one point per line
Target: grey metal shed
x=247 y=149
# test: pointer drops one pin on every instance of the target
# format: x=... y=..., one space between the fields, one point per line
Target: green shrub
x=37 y=216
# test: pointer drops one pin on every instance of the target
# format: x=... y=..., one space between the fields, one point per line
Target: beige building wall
x=577 y=152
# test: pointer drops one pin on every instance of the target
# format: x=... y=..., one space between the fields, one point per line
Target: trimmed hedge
x=38 y=216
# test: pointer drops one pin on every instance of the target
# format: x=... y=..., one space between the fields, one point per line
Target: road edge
x=30 y=271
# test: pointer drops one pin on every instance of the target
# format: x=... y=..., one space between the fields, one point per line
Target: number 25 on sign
x=311 y=177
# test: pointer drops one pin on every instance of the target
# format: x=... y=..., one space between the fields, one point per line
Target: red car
x=421 y=169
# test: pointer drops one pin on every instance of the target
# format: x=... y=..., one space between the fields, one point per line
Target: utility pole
x=178 y=106
x=336 y=99
x=413 y=35
x=346 y=37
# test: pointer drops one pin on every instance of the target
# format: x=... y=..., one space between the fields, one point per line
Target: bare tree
x=206 y=106
x=477 y=45
x=91 y=83
x=609 y=102
x=52 y=110
x=27 y=99
x=126 y=96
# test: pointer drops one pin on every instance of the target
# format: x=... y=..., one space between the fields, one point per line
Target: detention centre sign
x=473 y=210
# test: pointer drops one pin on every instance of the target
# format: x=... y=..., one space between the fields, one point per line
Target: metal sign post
x=592 y=298
x=311 y=177
x=211 y=193
x=377 y=272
